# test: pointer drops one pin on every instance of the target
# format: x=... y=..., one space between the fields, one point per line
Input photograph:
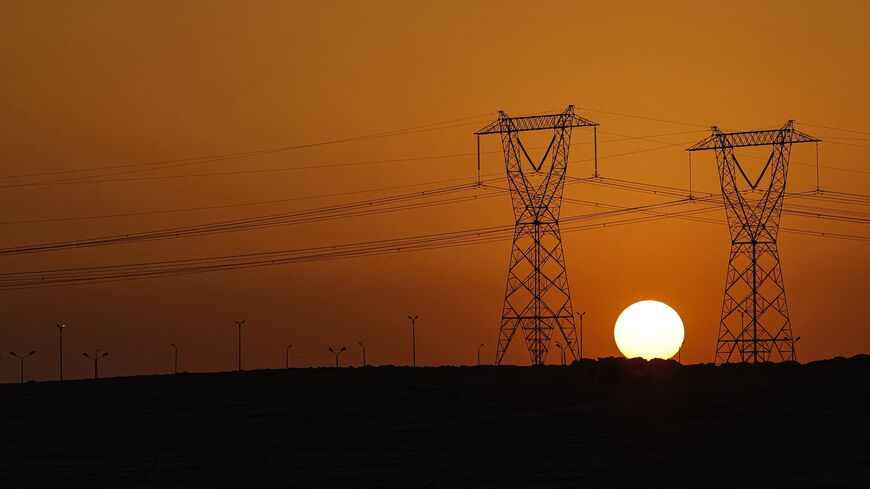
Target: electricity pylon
x=537 y=299
x=754 y=326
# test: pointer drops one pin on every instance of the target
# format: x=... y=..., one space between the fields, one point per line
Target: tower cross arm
x=719 y=139
x=504 y=123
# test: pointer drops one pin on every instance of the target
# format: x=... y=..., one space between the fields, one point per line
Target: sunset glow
x=649 y=329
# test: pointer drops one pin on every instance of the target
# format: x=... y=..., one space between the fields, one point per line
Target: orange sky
x=112 y=83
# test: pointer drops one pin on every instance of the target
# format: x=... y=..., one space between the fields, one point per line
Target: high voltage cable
x=634 y=116
x=248 y=204
x=96 y=179
x=394 y=132
x=397 y=132
x=18 y=280
x=279 y=255
x=353 y=209
x=833 y=128
x=447 y=239
x=184 y=162
x=369 y=207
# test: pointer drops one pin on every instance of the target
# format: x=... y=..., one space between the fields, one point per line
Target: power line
x=100 y=178
x=110 y=273
x=373 y=206
x=635 y=116
x=245 y=204
x=338 y=211
x=833 y=128
x=223 y=156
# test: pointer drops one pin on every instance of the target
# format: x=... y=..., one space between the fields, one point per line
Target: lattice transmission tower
x=754 y=325
x=537 y=299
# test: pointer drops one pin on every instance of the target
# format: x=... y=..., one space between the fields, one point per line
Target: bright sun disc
x=649 y=329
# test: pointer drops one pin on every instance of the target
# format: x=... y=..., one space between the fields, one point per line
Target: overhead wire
x=431 y=241
x=219 y=156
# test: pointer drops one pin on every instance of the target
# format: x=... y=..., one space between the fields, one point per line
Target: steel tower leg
x=754 y=325
x=537 y=297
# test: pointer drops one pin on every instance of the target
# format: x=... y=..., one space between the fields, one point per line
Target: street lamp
x=239 y=324
x=175 y=364
x=60 y=328
x=21 y=359
x=581 y=333
x=337 y=353
x=364 y=353
x=562 y=349
x=794 y=348
x=413 y=339
x=478 y=353
x=96 y=358
x=287 y=357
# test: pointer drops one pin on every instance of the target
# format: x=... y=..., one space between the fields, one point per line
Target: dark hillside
x=606 y=423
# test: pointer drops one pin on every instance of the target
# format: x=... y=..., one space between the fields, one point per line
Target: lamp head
x=330 y=349
x=343 y=348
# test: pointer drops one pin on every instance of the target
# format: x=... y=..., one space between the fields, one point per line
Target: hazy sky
x=102 y=84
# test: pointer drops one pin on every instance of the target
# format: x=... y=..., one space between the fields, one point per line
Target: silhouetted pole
x=96 y=358
x=239 y=324
x=175 y=363
x=794 y=348
x=337 y=353
x=364 y=353
x=21 y=360
x=478 y=353
x=562 y=350
x=581 y=333
x=413 y=339
x=287 y=357
x=60 y=328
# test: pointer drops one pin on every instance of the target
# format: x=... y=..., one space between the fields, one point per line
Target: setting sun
x=649 y=329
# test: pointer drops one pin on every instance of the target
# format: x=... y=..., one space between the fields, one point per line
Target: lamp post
x=562 y=349
x=794 y=348
x=239 y=324
x=287 y=357
x=413 y=339
x=364 y=353
x=581 y=333
x=96 y=358
x=21 y=359
x=478 y=353
x=337 y=353
x=60 y=328
x=175 y=363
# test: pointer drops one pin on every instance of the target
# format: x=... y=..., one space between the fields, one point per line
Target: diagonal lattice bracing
x=754 y=325
x=537 y=298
